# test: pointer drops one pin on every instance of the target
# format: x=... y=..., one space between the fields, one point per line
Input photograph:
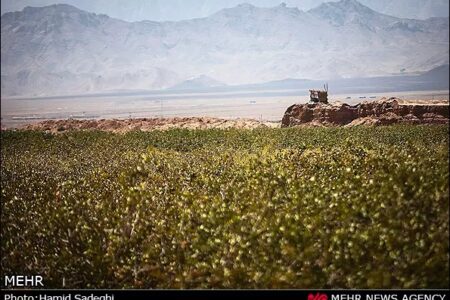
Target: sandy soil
x=146 y=124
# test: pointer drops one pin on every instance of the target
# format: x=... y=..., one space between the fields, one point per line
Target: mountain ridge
x=199 y=82
x=175 y=10
x=62 y=48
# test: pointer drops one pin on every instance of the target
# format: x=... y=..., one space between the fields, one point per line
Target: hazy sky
x=162 y=10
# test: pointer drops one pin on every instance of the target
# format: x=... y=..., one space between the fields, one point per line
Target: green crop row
x=268 y=208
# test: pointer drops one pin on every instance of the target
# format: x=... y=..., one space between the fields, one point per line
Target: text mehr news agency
x=60 y=297
x=374 y=296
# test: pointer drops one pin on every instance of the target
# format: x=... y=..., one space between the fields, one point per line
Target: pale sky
x=174 y=10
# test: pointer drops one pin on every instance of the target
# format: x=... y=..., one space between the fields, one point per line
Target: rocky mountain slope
x=60 y=49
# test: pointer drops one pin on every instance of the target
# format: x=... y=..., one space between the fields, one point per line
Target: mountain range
x=60 y=49
x=176 y=10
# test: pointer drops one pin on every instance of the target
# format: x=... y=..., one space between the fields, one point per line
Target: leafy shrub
x=269 y=208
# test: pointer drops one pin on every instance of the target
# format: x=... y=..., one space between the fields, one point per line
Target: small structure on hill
x=319 y=96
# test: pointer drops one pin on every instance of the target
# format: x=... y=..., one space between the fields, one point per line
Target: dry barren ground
x=149 y=124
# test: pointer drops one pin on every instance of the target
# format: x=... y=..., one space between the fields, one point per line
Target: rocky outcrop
x=382 y=112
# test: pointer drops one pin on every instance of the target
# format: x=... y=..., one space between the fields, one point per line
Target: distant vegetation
x=268 y=208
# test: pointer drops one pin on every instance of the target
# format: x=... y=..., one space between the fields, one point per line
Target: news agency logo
x=318 y=296
x=23 y=281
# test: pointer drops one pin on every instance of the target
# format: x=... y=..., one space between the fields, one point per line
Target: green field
x=269 y=208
